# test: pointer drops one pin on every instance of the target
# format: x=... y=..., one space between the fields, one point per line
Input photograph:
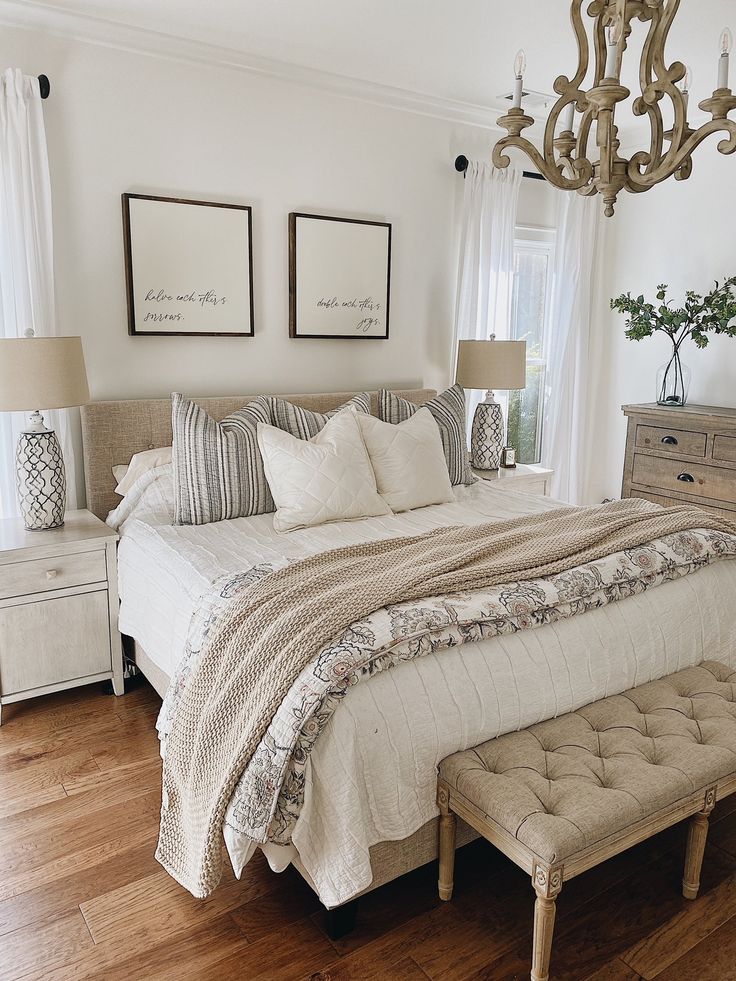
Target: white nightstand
x=58 y=607
x=529 y=478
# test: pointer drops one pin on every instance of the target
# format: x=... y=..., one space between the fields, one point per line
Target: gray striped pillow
x=448 y=410
x=303 y=423
x=217 y=466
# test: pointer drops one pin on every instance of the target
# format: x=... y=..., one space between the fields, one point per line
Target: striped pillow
x=303 y=423
x=448 y=410
x=217 y=466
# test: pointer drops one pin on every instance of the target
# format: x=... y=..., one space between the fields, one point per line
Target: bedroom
x=329 y=136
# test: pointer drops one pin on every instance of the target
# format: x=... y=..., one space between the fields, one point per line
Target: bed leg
x=341 y=919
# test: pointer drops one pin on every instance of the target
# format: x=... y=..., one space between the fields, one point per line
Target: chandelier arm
x=640 y=107
x=673 y=162
x=553 y=173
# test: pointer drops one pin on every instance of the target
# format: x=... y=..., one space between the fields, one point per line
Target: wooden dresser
x=681 y=455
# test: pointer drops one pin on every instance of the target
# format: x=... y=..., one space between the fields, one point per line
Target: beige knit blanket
x=263 y=640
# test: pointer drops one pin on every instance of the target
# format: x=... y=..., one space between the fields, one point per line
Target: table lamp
x=487 y=365
x=48 y=372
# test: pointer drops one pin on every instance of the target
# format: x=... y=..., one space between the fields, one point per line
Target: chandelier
x=565 y=158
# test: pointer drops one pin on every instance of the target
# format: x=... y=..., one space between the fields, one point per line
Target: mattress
x=372 y=774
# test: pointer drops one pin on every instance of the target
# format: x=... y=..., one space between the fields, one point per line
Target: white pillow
x=326 y=478
x=139 y=464
x=408 y=461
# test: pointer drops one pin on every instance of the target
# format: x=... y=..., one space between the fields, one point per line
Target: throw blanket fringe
x=259 y=646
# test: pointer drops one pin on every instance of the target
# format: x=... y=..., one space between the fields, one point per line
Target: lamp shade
x=42 y=373
x=491 y=364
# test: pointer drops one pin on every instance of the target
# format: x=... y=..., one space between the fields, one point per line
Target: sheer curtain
x=566 y=423
x=486 y=270
x=26 y=256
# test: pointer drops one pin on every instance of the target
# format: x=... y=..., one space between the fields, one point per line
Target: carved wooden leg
x=448 y=826
x=696 y=836
x=547 y=885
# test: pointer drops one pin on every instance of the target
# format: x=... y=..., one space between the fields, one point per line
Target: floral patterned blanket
x=268 y=797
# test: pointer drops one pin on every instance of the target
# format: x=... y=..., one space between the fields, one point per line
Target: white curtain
x=566 y=431
x=26 y=256
x=486 y=269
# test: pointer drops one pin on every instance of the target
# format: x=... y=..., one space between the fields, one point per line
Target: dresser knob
x=669 y=440
x=686 y=478
x=51 y=573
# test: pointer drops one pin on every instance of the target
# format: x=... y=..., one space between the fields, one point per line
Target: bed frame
x=112 y=432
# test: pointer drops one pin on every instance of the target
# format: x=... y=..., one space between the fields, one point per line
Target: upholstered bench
x=564 y=795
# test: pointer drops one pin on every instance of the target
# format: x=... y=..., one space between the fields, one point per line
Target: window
x=533 y=265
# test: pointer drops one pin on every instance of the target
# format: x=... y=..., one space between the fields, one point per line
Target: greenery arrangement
x=713 y=313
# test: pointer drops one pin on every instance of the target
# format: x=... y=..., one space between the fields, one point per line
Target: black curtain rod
x=45 y=86
x=461 y=165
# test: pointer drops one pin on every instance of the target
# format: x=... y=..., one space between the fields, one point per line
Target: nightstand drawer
x=724 y=448
x=54 y=640
x=694 y=479
x=677 y=441
x=41 y=575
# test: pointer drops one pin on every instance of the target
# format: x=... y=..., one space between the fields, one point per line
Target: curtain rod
x=461 y=165
x=44 y=85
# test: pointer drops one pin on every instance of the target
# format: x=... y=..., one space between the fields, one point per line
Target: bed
x=369 y=813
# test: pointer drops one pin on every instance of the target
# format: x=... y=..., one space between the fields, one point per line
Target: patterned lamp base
x=41 y=480
x=487 y=436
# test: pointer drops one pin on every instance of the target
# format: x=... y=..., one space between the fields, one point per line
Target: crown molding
x=46 y=19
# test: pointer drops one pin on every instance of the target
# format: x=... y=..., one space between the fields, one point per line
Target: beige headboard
x=113 y=431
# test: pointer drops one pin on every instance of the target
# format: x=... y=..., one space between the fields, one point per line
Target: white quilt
x=371 y=776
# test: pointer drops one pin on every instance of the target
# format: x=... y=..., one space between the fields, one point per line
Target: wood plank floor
x=81 y=895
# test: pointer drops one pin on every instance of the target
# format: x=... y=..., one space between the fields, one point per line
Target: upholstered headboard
x=113 y=431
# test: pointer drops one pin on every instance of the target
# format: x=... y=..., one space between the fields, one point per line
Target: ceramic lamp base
x=487 y=436
x=40 y=480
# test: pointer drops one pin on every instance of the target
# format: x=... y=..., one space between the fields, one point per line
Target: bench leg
x=448 y=827
x=697 y=834
x=547 y=885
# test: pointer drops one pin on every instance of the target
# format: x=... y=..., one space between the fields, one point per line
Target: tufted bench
x=563 y=796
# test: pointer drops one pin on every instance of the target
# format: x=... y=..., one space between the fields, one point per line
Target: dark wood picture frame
x=293 y=273
x=129 y=285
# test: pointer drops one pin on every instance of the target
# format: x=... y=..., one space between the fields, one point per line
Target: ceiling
x=460 y=51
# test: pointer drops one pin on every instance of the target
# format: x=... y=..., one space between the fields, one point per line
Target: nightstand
x=529 y=478
x=58 y=607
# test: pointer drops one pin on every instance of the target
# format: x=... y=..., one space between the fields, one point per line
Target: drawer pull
x=51 y=573
x=670 y=440
x=686 y=477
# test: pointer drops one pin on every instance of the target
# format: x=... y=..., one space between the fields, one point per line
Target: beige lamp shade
x=491 y=364
x=42 y=373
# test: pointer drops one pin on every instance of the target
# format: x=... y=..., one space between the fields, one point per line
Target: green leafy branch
x=713 y=313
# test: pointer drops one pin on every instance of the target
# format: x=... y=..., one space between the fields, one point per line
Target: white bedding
x=371 y=776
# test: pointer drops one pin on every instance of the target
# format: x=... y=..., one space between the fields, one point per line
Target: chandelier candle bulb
x=612 y=38
x=519 y=68
x=686 y=85
x=568 y=118
x=725 y=46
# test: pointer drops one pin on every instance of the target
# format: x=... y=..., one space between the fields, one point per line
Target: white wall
x=683 y=234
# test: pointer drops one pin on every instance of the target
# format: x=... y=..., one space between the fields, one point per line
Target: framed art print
x=339 y=277
x=188 y=267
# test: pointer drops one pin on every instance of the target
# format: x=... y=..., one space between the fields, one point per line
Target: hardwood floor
x=81 y=895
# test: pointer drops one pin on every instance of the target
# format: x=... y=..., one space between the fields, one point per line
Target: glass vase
x=673 y=381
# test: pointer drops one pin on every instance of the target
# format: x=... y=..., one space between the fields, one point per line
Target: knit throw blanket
x=262 y=641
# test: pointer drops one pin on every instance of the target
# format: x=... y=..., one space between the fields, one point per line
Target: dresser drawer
x=68 y=637
x=670 y=502
x=724 y=448
x=41 y=575
x=694 y=479
x=681 y=442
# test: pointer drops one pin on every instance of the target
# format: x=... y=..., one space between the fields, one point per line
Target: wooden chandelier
x=564 y=159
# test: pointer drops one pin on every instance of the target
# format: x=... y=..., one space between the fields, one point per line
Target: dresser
x=58 y=607
x=686 y=455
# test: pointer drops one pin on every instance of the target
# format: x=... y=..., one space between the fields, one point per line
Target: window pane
x=526 y=409
x=530 y=294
